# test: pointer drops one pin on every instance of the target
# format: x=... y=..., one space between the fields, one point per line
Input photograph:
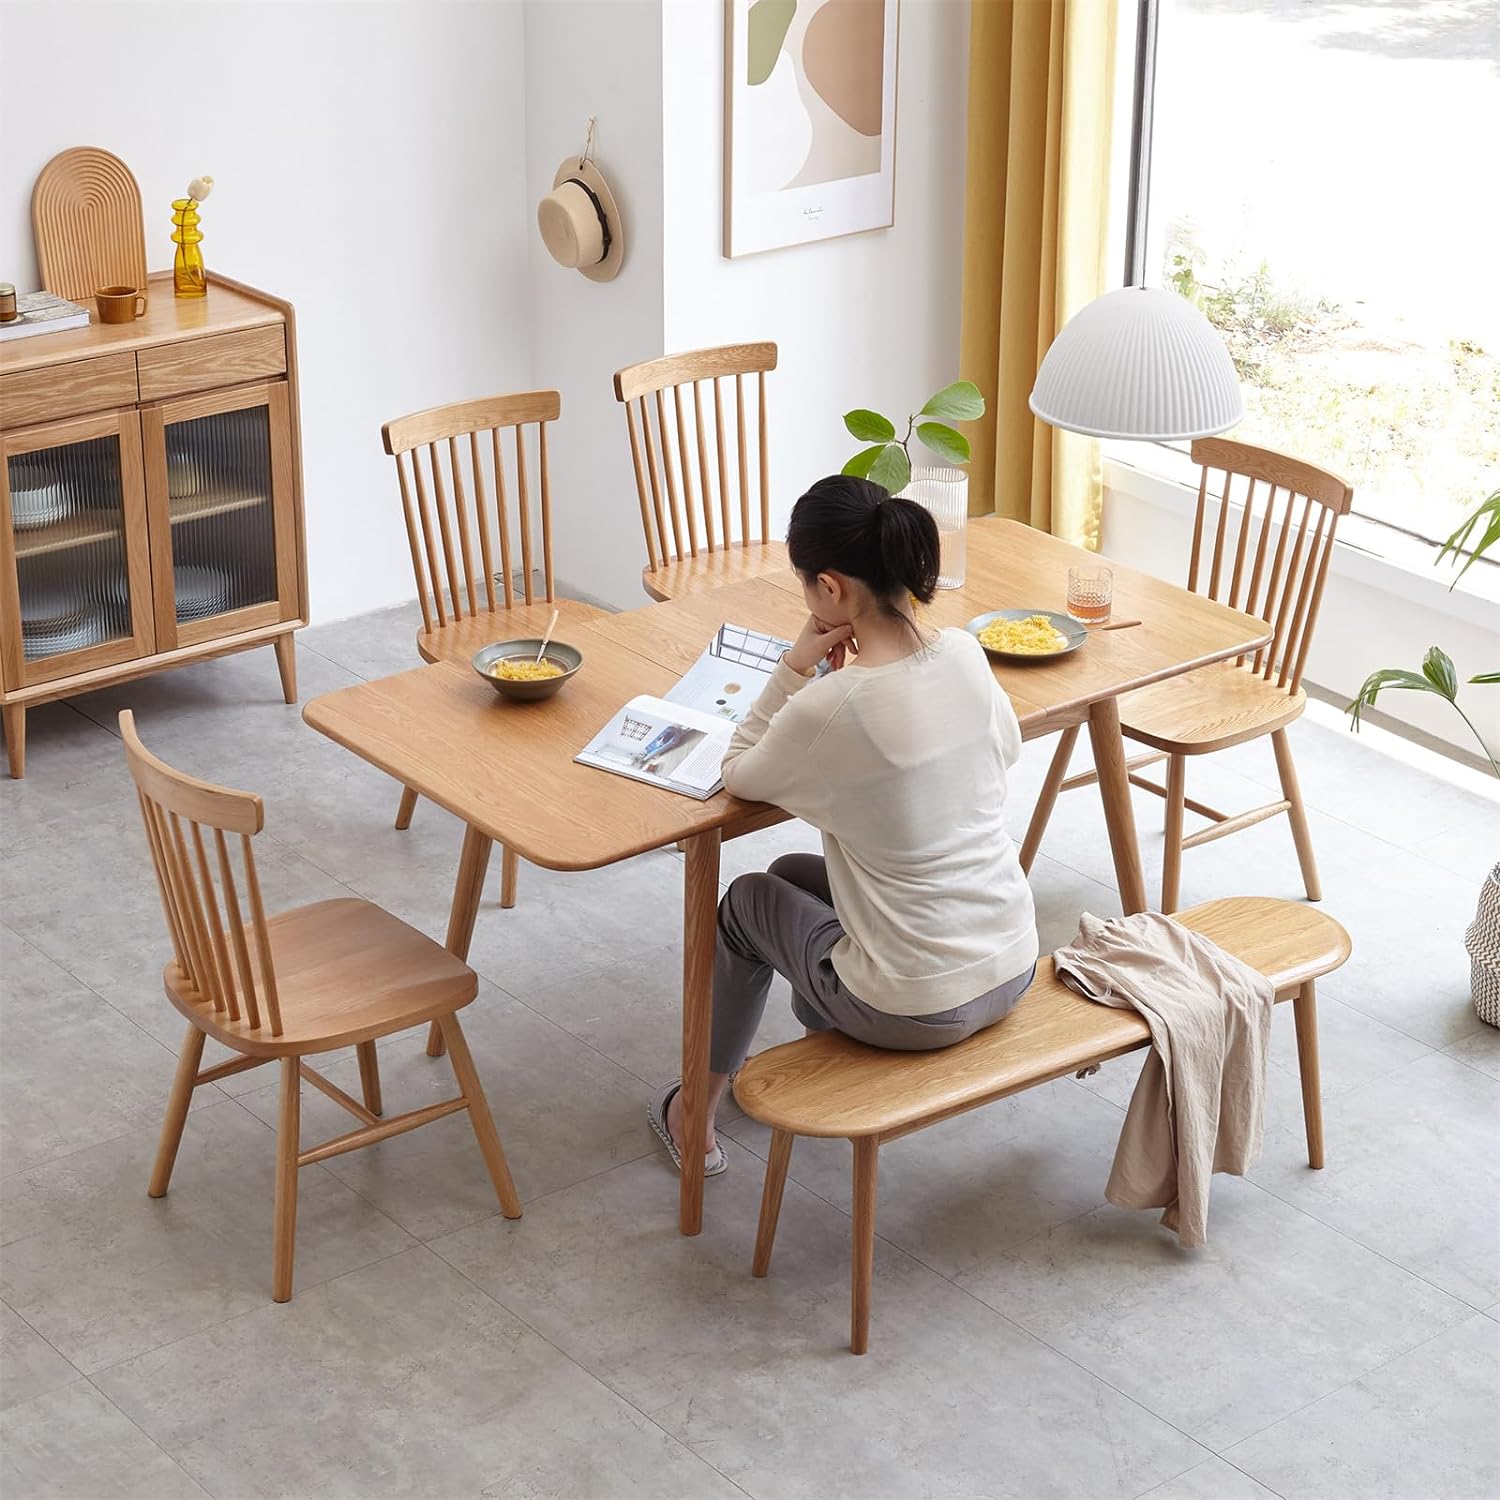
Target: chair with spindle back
x=314 y=979
x=680 y=437
x=1271 y=562
x=445 y=456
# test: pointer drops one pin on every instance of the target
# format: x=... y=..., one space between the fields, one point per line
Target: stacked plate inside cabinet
x=201 y=591
x=55 y=617
x=39 y=495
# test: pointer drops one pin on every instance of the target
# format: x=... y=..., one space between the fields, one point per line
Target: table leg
x=700 y=906
x=468 y=891
x=1114 y=792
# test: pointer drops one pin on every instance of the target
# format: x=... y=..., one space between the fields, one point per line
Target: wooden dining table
x=507 y=770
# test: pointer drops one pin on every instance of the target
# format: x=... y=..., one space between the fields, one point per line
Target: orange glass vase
x=189 y=278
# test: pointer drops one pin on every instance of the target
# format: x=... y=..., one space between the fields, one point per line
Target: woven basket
x=1483 y=943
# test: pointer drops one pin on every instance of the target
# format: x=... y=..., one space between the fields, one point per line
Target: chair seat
x=458 y=640
x=711 y=570
x=346 y=972
x=830 y=1085
x=1207 y=710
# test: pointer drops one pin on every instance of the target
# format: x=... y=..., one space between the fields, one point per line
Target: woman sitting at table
x=915 y=928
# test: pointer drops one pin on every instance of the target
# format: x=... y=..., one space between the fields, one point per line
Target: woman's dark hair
x=853 y=526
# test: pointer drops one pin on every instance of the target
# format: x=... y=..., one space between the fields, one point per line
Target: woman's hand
x=818 y=642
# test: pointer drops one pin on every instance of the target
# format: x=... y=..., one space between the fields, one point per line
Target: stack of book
x=41 y=312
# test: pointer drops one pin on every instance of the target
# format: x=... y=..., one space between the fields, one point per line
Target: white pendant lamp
x=1140 y=363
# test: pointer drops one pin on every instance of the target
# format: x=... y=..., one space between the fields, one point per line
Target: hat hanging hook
x=588 y=142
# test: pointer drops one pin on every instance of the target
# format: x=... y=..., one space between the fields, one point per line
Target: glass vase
x=189 y=278
x=944 y=491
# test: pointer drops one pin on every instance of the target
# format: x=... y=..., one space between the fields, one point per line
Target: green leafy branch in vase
x=1438 y=674
x=887 y=461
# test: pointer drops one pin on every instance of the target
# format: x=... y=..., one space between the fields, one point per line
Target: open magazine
x=678 y=742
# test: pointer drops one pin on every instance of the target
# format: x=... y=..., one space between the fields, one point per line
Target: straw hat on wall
x=580 y=222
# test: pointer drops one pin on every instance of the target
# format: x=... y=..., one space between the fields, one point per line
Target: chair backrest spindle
x=453 y=524
x=678 y=518
x=1299 y=560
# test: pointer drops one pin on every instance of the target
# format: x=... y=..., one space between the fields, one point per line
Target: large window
x=1323 y=180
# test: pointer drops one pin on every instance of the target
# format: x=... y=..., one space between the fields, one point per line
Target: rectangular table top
x=508 y=769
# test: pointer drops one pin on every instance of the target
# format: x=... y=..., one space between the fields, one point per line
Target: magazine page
x=726 y=680
x=669 y=745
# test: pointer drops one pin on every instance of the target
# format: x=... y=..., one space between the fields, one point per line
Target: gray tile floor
x=1337 y=1336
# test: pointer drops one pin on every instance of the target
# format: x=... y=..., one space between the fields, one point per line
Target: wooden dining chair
x=476 y=579
x=314 y=979
x=693 y=466
x=1265 y=552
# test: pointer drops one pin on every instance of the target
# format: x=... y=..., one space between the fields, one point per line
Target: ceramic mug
x=119 y=304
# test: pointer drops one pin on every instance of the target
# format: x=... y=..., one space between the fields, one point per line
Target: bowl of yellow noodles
x=1026 y=634
x=512 y=668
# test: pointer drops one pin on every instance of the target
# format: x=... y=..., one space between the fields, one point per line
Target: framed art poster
x=809 y=120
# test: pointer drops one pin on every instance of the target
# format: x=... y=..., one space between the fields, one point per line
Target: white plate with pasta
x=1026 y=634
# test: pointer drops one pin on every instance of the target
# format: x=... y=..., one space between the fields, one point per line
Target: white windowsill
x=1474 y=600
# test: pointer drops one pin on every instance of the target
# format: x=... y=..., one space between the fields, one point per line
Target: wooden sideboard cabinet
x=150 y=497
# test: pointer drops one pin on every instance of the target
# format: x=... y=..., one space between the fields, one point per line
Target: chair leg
x=510 y=869
x=866 y=1160
x=1056 y=774
x=479 y=1115
x=770 y=1199
x=1171 y=864
x=369 y=1076
x=288 y=1144
x=177 y=1111
x=1297 y=813
x=407 y=808
x=1305 y=1011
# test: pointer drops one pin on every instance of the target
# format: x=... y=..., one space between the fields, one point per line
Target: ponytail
x=852 y=526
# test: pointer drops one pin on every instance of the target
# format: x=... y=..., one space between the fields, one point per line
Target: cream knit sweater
x=902 y=768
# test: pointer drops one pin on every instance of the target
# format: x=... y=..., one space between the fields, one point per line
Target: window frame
x=1137 y=209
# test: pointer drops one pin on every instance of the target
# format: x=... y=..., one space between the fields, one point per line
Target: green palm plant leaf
x=1489 y=514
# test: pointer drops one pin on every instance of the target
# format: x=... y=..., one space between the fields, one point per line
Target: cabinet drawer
x=68 y=390
x=200 y=364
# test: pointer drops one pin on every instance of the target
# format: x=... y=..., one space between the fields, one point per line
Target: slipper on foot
x=714 y=1161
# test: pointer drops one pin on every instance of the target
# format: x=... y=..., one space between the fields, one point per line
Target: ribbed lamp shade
x=1139 y=362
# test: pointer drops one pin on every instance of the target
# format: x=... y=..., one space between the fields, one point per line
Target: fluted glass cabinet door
x=219 y=479
x=75 y=580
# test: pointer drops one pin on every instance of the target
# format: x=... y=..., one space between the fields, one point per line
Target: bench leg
x=770 y=1199
x=1305 y=1010
x=1047 y=797
x=866 y=1160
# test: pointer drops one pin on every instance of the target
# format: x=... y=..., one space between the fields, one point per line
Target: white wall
x=369 y=168
x=600 y=58
x=868 y=320
x=390 y=156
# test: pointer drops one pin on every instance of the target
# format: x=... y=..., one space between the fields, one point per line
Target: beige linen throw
x=1197 y=1107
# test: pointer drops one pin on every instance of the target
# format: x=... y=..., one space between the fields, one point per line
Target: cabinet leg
x=15 y=737
x=286 y=664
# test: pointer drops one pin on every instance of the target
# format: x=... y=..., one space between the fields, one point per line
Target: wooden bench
x=830 y=1085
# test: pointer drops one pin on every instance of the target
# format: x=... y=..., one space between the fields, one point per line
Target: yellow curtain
x=1041 y=100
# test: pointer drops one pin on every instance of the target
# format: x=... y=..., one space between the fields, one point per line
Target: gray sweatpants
x=784 y=921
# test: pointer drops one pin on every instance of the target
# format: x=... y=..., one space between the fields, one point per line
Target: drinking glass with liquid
x=1090 y=594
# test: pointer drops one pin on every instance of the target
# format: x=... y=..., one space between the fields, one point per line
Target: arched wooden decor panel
x=86 y=215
